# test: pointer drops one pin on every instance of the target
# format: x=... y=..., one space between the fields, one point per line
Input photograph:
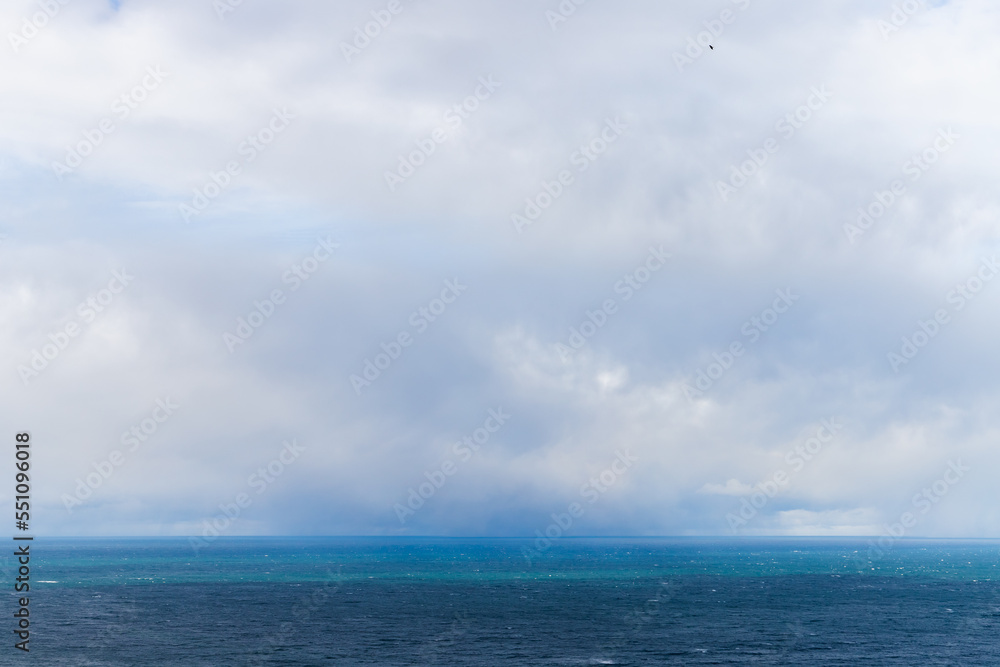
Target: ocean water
x=374 y=601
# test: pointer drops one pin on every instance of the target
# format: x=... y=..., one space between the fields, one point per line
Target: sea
x=568 y=601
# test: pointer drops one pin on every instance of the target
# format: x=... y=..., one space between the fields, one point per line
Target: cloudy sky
x=489 y=260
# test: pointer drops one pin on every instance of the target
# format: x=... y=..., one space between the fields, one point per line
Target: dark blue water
x=294 y=601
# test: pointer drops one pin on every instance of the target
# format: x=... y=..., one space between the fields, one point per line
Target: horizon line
x=521 y=537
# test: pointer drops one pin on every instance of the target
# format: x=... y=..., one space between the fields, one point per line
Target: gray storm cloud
x=695 y=255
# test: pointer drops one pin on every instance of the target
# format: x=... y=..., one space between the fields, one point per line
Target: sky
x=482 y=269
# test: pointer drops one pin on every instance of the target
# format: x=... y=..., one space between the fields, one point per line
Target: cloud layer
x=627 y=243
